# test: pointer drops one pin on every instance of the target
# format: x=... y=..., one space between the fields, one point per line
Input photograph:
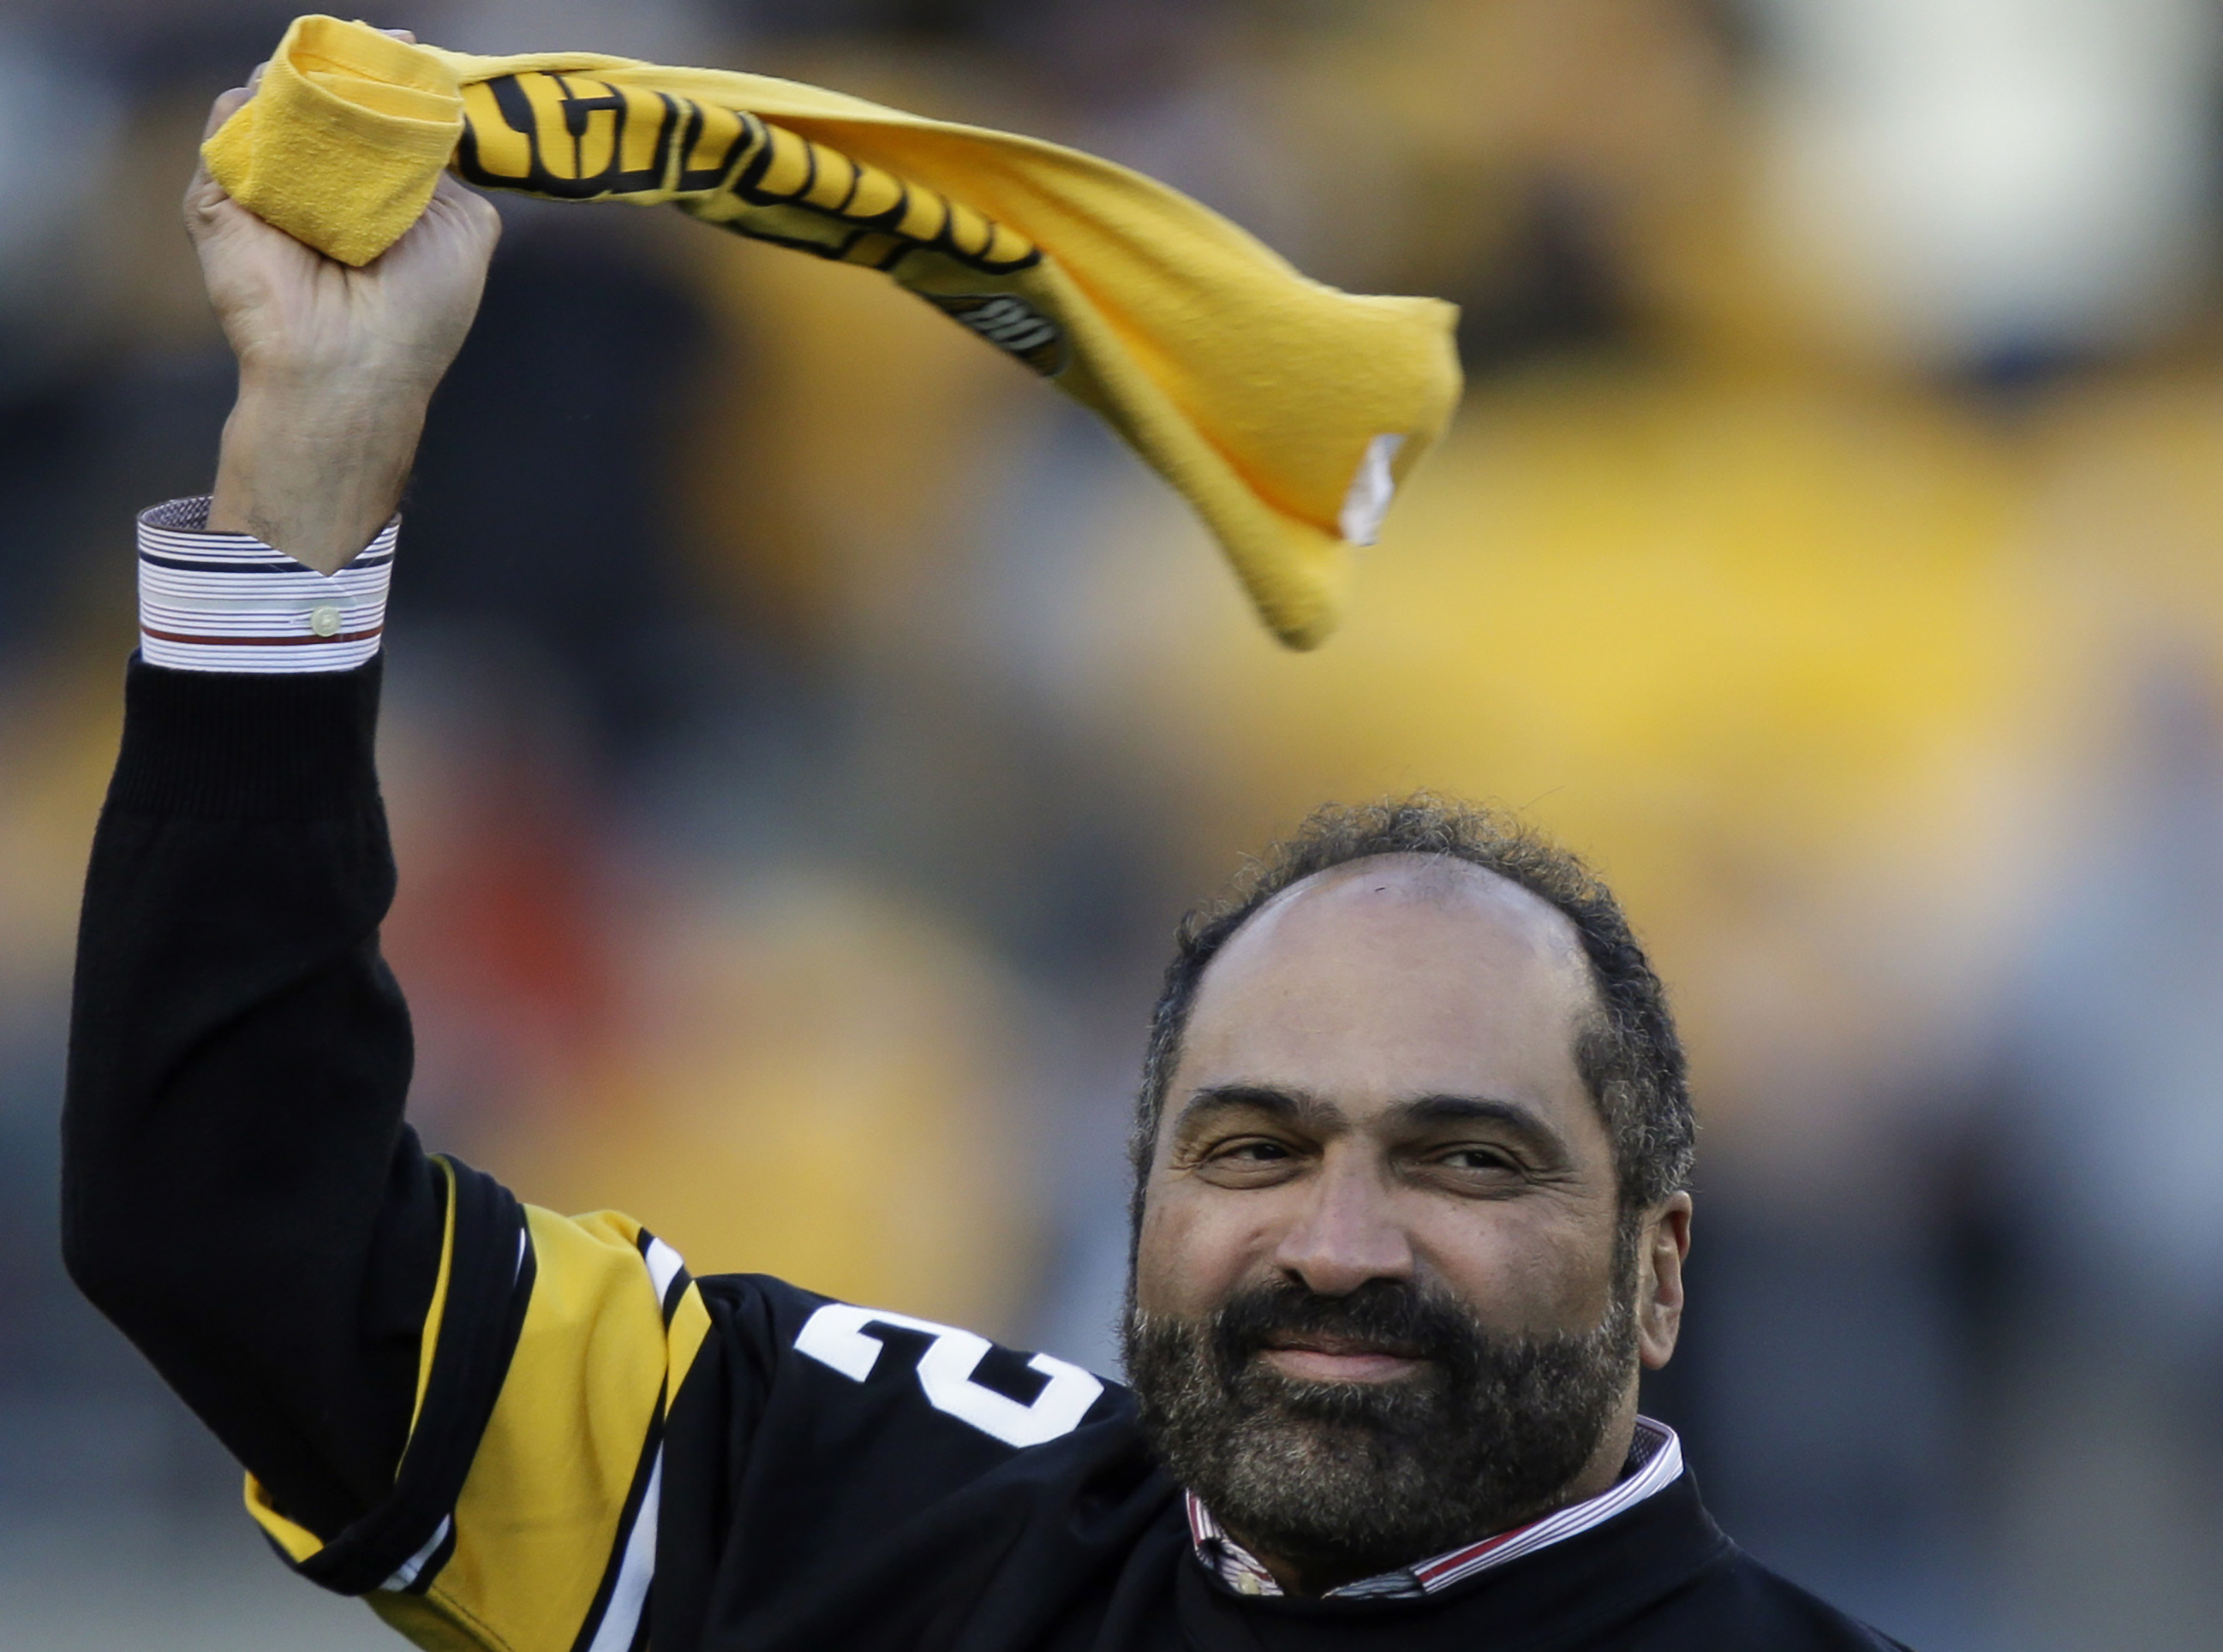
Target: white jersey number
x=836 y=1335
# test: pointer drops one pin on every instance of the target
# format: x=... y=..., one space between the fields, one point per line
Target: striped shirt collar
x=1655 y=1462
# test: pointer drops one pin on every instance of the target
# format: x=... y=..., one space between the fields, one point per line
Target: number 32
x=836 y=1335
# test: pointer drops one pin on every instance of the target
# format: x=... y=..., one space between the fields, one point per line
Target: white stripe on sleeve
x=621 y=1617
x=406 y=1573
x=663 y=1265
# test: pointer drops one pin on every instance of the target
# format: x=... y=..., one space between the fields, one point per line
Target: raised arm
x=506 y=1428
x=241 y=1195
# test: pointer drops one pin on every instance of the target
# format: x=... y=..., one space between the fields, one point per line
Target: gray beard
x=1348 y=1479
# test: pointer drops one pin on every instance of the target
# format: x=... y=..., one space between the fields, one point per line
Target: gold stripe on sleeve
x=298 y=1540
x=544 y=1507
x=428 y=1340
x=690 y=1324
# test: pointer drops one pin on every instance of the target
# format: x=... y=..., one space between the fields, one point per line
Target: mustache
x=1388 y=1314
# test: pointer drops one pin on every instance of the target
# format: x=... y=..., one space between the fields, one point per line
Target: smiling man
x=1410 y=1207
x=1409 y=1167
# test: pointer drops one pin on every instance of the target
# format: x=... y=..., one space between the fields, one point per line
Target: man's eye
x=1477 y=1158
x=1248 y=1162
x=1253 y=1152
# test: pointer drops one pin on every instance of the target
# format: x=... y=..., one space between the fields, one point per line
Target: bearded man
x=1409 y=1204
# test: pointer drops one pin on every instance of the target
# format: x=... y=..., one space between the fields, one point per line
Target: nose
x=1346 y=1233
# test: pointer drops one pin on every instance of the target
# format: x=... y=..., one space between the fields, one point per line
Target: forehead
x=1393 y=977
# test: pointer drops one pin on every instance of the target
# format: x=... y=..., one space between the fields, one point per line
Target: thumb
x=227 y=105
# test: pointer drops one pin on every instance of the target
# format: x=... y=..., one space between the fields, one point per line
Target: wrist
x=313 y=468
x=364 y=382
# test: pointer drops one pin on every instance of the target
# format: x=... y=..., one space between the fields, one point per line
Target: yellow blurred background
x=804 y=730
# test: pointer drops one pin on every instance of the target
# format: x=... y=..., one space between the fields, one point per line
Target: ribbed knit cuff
x=239 y=744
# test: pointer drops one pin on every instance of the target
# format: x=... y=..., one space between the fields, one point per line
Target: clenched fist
x=336 y=364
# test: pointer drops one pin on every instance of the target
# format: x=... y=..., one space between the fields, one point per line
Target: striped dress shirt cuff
x=228 y=602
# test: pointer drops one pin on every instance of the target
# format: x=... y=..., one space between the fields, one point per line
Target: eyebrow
x=1302 y=1108
x=1291 y=1106
x=1509 y=1116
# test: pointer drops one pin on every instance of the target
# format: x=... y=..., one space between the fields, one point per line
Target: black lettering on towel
x=568 y=136
x=574 y=137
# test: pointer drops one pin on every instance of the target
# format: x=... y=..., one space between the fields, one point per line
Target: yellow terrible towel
x=1287 y=411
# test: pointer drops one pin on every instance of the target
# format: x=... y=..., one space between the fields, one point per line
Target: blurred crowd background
x=805 y=728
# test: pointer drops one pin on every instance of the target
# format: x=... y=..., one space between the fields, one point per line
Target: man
x=1409 y=1210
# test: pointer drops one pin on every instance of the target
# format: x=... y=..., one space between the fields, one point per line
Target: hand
x=336 y=364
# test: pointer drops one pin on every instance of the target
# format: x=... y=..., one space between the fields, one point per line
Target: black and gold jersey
x=551 y=1352
x=512 y=1431
x=564 y=1364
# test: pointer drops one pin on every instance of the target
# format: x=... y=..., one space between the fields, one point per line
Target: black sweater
x=602 y=1447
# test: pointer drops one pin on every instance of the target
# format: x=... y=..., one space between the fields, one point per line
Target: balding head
x=1395 y=974
x=1390 y=1285
x=1433 y=851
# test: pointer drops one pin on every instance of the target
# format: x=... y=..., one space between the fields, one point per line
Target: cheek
x=1193 y=1251
x=1523 y=1270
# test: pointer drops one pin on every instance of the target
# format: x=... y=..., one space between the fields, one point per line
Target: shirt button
x=325 y=619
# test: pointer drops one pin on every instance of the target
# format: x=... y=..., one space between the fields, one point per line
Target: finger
x=205 y=197
x=254 y=80
x=469 y=204
x=400 y=34
x=222 y=109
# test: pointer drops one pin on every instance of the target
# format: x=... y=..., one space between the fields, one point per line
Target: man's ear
x=1661 y=1247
